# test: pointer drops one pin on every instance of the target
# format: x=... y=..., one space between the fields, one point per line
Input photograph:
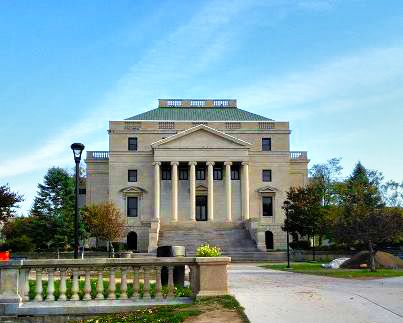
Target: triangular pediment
x=268 y=189
x=201 y=188
x=133 y=189
x=201 y=137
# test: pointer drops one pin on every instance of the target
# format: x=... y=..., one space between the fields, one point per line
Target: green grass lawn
x=314 y=268
x=173 y=313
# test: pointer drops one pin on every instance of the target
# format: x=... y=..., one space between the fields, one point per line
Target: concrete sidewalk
x=271 y=296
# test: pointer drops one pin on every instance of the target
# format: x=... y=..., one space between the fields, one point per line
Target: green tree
x=55 y=202
x=305 y=215
x=8 y=202
x=362 y=216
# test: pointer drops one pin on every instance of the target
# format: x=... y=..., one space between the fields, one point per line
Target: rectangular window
x=132 y=144
x=235 y=173
x=200 y=174
x=183 y=174
x=132 y=206
x=266 y=175
x=267 y=205
x=266 y=144
x=82 y=191
x=132 y=175
x=166 y=174
x=217 y=174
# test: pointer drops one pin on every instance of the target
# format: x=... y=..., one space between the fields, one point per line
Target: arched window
x=269 y=240
x=132 y=240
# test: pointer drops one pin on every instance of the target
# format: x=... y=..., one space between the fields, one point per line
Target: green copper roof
x=199 y=114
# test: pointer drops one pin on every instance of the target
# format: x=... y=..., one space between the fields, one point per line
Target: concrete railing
x=102 y=285
x=298 y=155
x=98 y=155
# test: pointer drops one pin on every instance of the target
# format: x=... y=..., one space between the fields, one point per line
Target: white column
x=210 y=203
x=174 y=205
x=245 y=191
x=228 y=209
x=157 y=190
x=192 y=184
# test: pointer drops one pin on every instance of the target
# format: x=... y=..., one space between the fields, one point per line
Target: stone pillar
x=157 y=190
x=210 y=203
x=192 y=184
x=228 y=206
x=174 y=210
x=245 y=191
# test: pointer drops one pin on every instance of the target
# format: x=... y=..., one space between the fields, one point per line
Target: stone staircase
x=233 y=240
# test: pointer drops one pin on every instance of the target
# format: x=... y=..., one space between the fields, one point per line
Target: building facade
x=196 y=164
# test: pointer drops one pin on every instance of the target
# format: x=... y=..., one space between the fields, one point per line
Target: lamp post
x=77 y=151
x=288 y=242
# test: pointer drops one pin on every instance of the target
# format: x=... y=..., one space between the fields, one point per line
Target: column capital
x=210 y=163
x=156 y=163
x=227 y=163
x=192 y=163
x=245 y=163
x=174 y=163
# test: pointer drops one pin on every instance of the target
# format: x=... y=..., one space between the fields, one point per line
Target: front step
x=231 y=238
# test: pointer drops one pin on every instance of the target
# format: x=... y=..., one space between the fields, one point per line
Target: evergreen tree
x=55 y=202
x=8 y=202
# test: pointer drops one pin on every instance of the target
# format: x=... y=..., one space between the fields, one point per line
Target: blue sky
x=334 y=69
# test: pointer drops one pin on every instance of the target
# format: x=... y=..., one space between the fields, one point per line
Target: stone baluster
x=100 y=284
x=146 y=289
x=75 y=287
x=158 y=286
x=136 y=285
x=25 y=296
x=51 y=285
x=38 y=285
x=171 y=287
x=123 y=283
x=87 y=285
x=112 y=284
x=63 y=287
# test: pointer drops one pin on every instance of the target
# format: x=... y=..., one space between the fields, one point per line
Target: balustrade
x=87 y=281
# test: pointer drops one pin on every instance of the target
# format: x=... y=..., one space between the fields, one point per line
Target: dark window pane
x=235 y=173
x=82 y=191
x=266 y=175
x=266 y=144
x=166 y=174
x=132 y=175
x=132 y=206
x=217 y=174
x=132 y=144
x=267 y=205
x=200 y=174
x=201 y=208
x=183 y=174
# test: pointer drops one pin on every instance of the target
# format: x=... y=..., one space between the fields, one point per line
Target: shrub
x=22 y=243
x=206 y=251
x=300 y=245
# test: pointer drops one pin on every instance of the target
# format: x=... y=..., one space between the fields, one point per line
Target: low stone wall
x=306 y=255
x=207 y=277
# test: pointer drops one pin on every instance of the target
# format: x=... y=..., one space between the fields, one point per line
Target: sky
x=333 y=69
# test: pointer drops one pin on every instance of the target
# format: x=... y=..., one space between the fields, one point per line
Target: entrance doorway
x=269 y=240
x=201 y=208
x=132 y=240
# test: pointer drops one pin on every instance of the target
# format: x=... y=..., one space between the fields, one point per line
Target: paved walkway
x=271 y=296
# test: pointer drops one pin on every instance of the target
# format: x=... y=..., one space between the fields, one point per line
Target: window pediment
x=133 y=190
x=268 y=189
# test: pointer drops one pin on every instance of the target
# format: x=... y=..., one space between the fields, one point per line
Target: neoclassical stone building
x=198 y=170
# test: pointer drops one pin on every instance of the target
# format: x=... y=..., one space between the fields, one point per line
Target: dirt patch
x=216 y=316
x=382 y=260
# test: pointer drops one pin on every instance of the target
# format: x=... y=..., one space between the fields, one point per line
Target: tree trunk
x=371 y=256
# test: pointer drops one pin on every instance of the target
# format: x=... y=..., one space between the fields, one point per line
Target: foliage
x=206 y=250
x=300 y=244
x=104 y=221
x=362 y=216
x=325 y=178
x=8 y=202
x=30 y=233
x=55 y=202
x=305 y=215
x=314 y=268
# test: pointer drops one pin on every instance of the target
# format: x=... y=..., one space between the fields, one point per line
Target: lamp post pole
x=77 y=150
x=288 y=242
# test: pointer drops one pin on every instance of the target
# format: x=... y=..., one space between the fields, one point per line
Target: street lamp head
x=77 y=149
